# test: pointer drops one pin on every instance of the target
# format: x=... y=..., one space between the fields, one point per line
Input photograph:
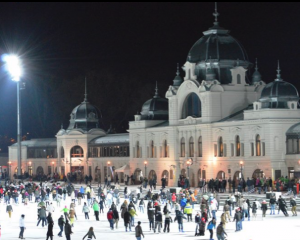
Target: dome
x=276 y=94
x=223 y=52
x=155 y=108
x=294 y=130
x=85 y=116
x=178 y=79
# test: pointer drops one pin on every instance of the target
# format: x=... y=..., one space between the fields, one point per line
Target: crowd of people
x=162 y=207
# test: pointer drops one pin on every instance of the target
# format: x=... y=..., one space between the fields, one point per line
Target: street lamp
x=9 y=169
x=189 y=162
x=145 y=168
x=242 y=164
x=13 y=66
x=29 y=169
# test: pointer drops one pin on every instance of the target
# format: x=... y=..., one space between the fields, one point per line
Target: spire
x=85 y=93
x=216 y=14
x=278 y=73
x=256 y=77
x=177 y=80
x=156 y=91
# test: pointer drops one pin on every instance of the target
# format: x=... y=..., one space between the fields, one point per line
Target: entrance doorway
x=138 y=176
x=152 y=175
x=258 y=173
x=221 y=175
x=165 y=174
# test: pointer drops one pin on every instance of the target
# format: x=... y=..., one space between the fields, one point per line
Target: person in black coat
x=127 y=220
x=50 y=227
x=282 y=206
x=68 y=230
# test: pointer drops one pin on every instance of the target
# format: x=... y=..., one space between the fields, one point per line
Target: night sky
x=123 y=49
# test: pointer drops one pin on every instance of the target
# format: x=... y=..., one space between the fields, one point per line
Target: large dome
x=277 y=93
x=219 y=51
x=155 y=108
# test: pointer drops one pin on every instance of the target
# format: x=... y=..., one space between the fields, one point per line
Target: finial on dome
x=85 y=92
x=256 y=76
x=278 y=73
x=238 y=62
x=177 y=72
x=216 y=14
x=156 y=90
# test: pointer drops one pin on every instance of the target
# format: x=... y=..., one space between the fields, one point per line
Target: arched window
x=258 y=145
x=165 y=153
x=191 y=147
x=62 y=152
x=191 y=106
x=182 y=147
x=76 y=152
x=237 y=146
x=200 y=146
x=138 y=150
x=221 y=148
x=152 y=149
x=238 y=79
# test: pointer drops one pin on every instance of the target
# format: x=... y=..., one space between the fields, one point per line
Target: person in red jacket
x=173 y=200
x=110 y=218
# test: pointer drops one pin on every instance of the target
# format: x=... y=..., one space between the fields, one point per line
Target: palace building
x=217 y=121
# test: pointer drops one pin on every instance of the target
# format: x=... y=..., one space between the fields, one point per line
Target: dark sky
x=138 y=42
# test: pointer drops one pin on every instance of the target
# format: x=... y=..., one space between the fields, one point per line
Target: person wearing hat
x=139 y=231
x=65 y=210
x=22 y=226
x=61 y=223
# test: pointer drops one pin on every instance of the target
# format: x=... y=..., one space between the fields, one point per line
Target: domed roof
x=276 y=94
x=222 y=50
x=256 y=76
x=84 y=116
x=178 y=79
x=156 y=108
x=294 y=130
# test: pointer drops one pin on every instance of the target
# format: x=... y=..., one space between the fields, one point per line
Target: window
x=138 y=150
x=62 y=152
x=191 y=106
x=237 y=146
x=215 y=149
x=242 y=150
x=200 y=146
x=232 y=149
x=191 y=147
x=151 y=149
x=252 y=149
x=182 y=147
x=238 y=79
x=165 y=149
x=258 y=146
x=76 y=152
x=220 y=143
x=225 y=150
x=263 y=149
x=171 y=174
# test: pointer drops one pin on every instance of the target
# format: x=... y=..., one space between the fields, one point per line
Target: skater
x=264 y=208
x=168 y=220
x=254 y=209
x=50 y=227
x=282 y=206
x=90 y=234
x=110 y=218
x=179 y=218
x=127 y=220
x=221 y=232
x=202 y=227
x=86 y=210
x=96 y=210
x=68 y=230
x=273 y=205
x=9 y=210
x=294 y=206
x=197 y=221
x=139 y=231
x=211 y=225
x=150 y=213
x=158 y=221
x=116 y=217
x=61 y=223
x=22 y=226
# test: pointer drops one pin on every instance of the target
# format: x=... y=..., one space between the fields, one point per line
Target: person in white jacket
x=50 y=208
x=22 y=226
x=214 y=207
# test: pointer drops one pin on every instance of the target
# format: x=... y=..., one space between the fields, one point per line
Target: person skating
x=50 y=227
x=110 y=218
x=179 y=218
x=9 y=210
x=294 y=206
x=282 y=206
x=86 y=210
x=168 y=220
x=254 y=209
x=150 y=213
x=139 y=231
x=127 y=220
x=238 y=219
x=221 y=232
x=68 y=230
x=272 y=205
x=72 y=214
x=61 y=223
x=90 y=234
x=202 y=227
x=42 y=216
x=65 y=210
x=264 y=207
x=210 y=227
x=158 y=221
x=96 y=210
x=189 y=211
x=22 y=226
x=116 y=217
x=197 y=221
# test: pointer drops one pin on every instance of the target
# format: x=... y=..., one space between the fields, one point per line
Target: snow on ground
x=272 y=227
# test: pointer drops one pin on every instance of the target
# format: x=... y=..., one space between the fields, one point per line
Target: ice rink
x=272 y=227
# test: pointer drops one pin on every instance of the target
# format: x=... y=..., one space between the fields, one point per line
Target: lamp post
x=145 y=168
x=242 y=164
x=29 y=169
x=13 y=66
x=9 y=169
x=189 y=162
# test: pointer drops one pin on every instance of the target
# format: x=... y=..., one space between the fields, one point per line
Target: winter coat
x=188 y=209
x=254 y=207
x=72 y=213
x=264 y=206
x=151 y=213
x=42 y=213
x=158 y=217
x=127 y=217
x=85 y=209
x=237 y=216
x=110 y=215
x=115 y=214
x=96 y=207
x=68 y=229
x=211 y=224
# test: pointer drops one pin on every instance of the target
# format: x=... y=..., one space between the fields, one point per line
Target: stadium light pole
x=13 y=65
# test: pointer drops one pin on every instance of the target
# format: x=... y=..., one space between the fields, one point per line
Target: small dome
x=84 y=116
x=156 y=108
x=294 y=130
x=256 y=76
x=178 y=79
